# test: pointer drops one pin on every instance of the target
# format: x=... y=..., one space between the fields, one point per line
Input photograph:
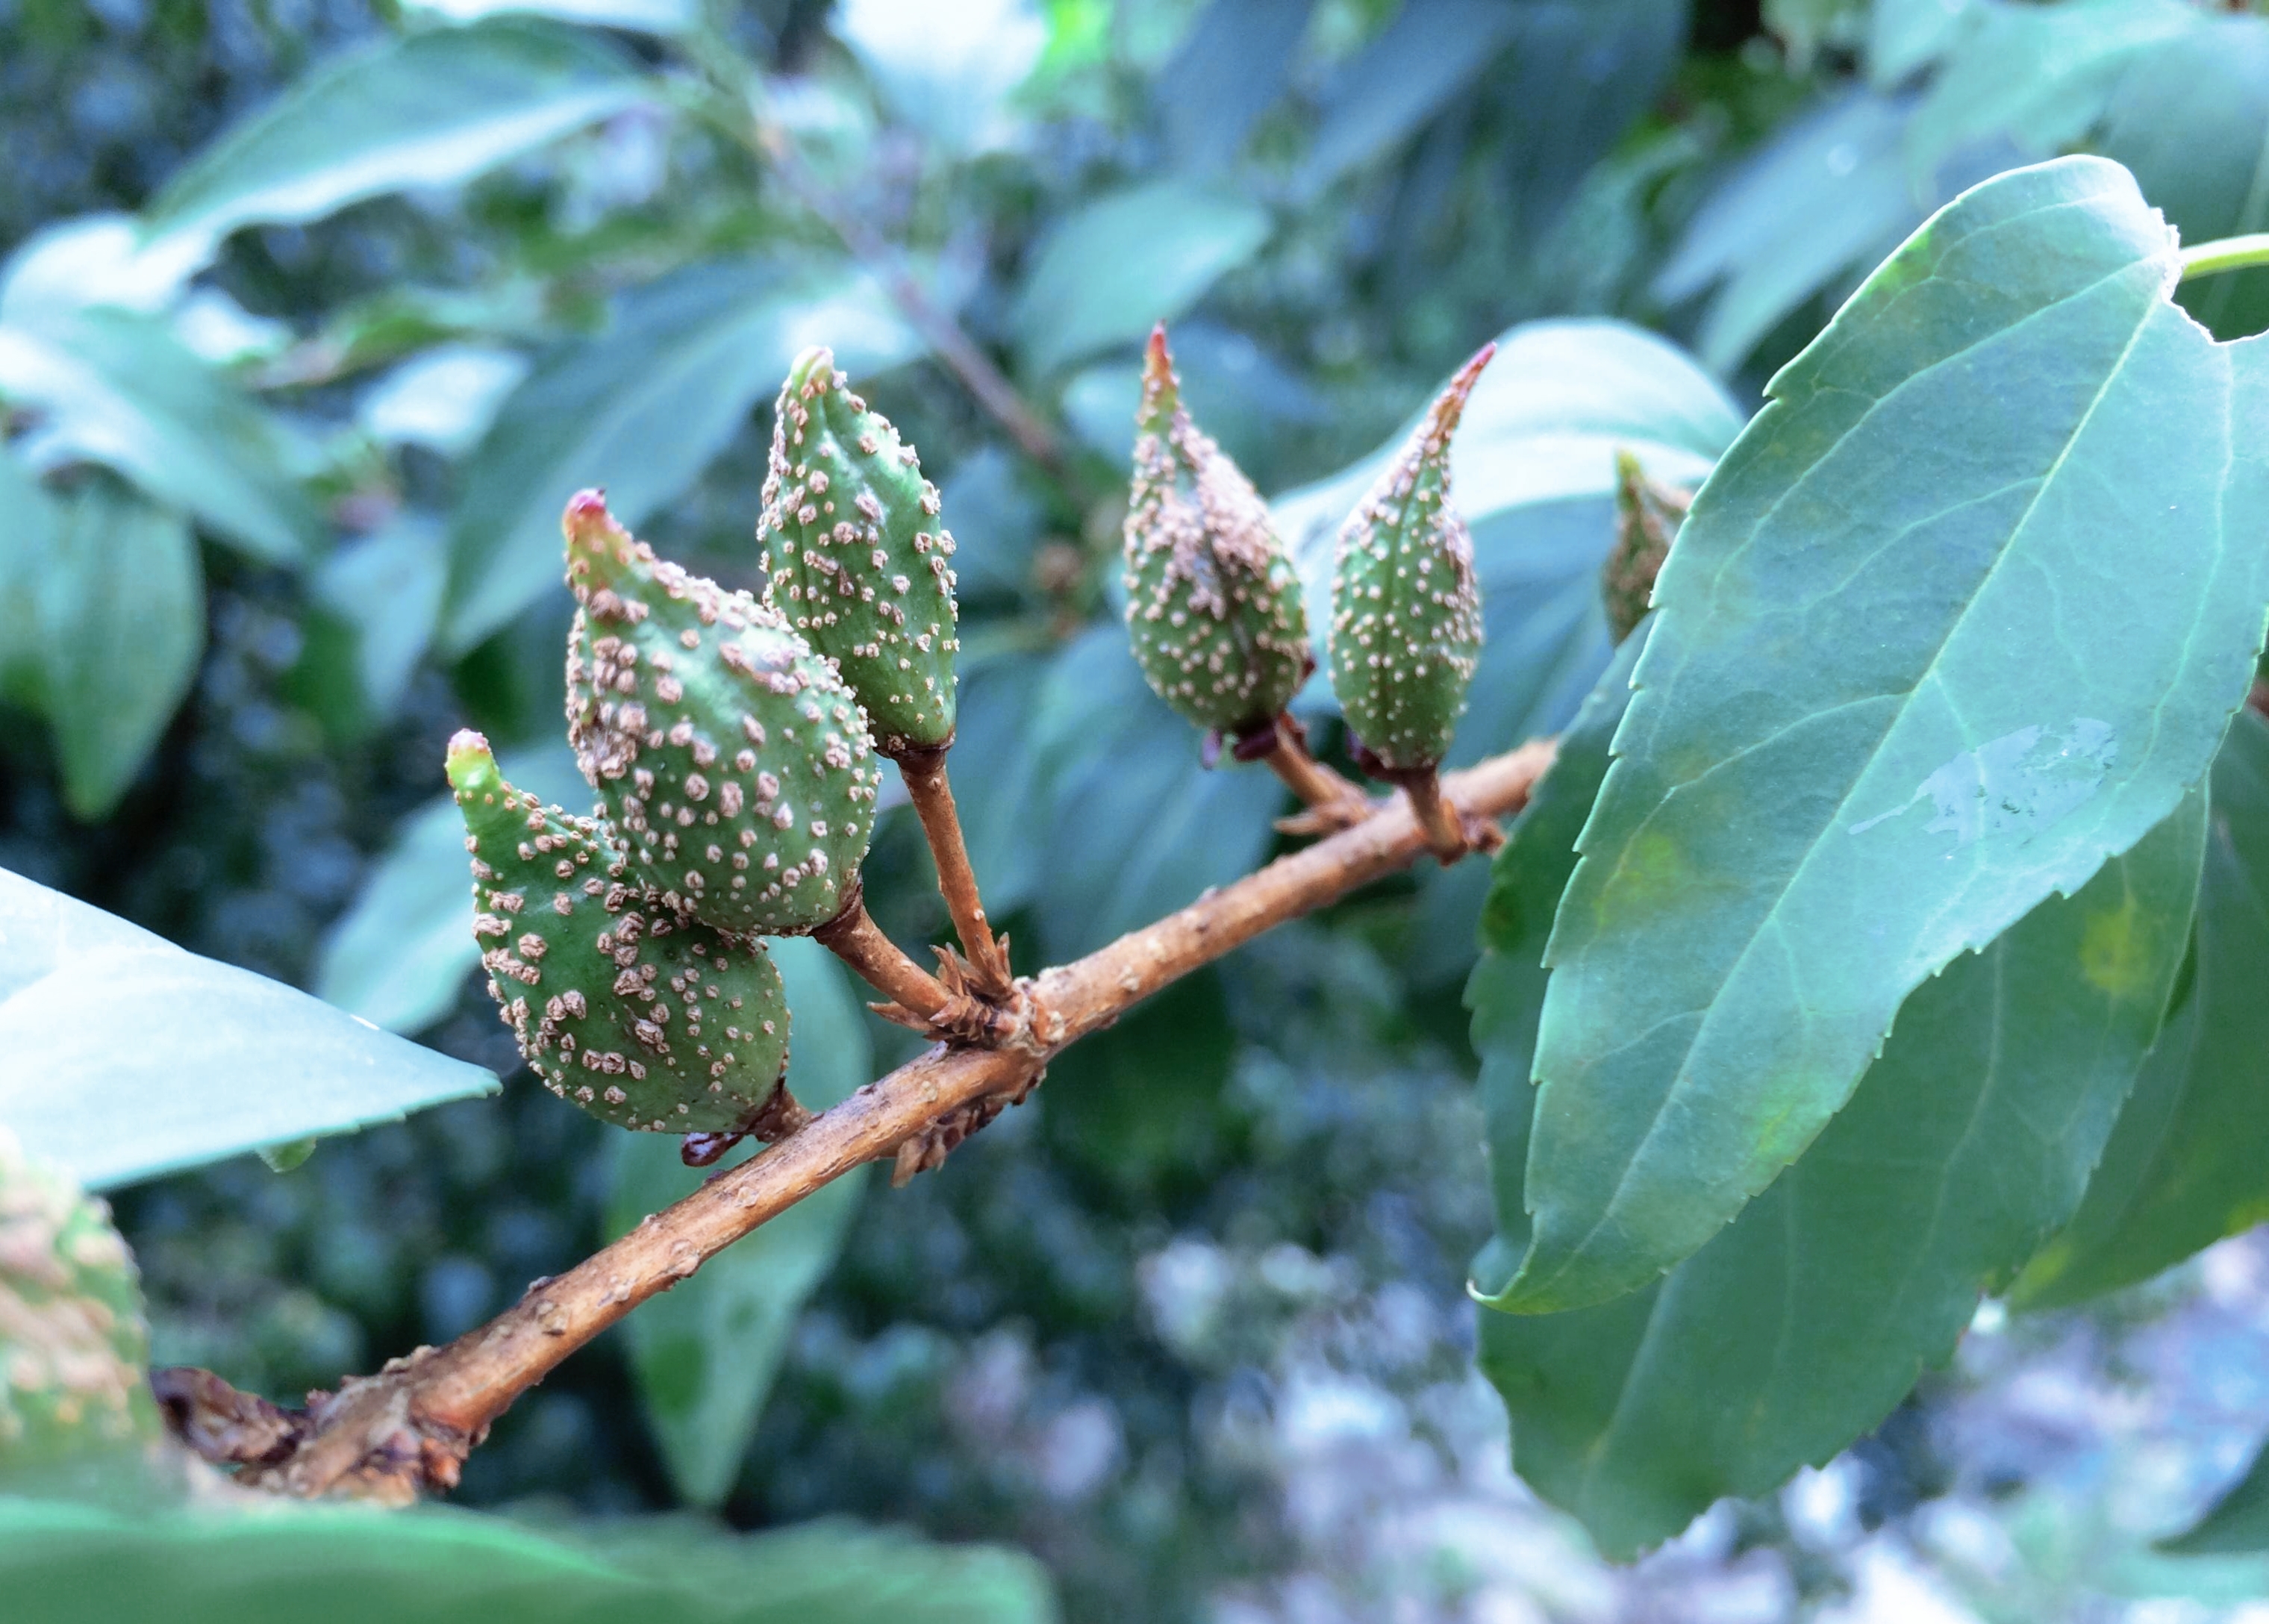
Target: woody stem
x=1304 y=775
x=931 y=794
x=1438 y=820
x=853 y=937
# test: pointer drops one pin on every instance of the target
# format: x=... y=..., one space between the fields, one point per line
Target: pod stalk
x=931 y=791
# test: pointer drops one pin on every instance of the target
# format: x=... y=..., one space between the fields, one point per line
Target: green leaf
x=28 y=541
x=999 y=768
x=2189 y=1163
x=2191 y=120
x=121 y=624
x=1906 y=36
x=1230 y=68
x=705 y=1354
x=435 y=109
x=120 y=390
x=2237 y=1522
x=1533 y=470
x=1875 y=725
x=1428 y=52
x=129 y=1057
x=1805 y=1322
x=1141 y=1106
x=285 y=1561
x=399 y=956
x=1826 y=196
x=386 y=586
x=2034 y=77
x=640 y=410
x=1130 y=824
x=1125 y=260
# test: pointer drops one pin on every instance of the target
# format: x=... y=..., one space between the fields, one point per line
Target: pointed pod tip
x=1450 y=405
x=594 y=539
x=1162 y=391
x=815 y=363
x=469 y=760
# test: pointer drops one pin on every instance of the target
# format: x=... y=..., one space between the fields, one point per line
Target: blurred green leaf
x=28 y=541
x=1231 y=67
x=1710 y=1005
x=656 y=17
x=129 y=1057
x=995 y=766
x=1803 y=1322
x=640 y=410
x=2191 y=120
x=286 y=1562
x=705 y=1352
x=121 y=623
x=1429 y=51
x=1140 y=1104
x=120 y=390
x=1124 y=260
x=1906 y=36
x=388 y=586
x=1826 y=197
x=1129 y=824
x=946 y=70
x=399 y=954
x=433 y=109
x=2237 y=1522
x=2189 y=1161
x=2035 y=76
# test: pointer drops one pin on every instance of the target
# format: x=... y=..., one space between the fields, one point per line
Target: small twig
x=929 y=1003
x=1333 y=802
x=412 y=1424
x=931 y=792
x=1450 y=833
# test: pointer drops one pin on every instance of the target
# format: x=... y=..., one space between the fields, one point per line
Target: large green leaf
x=995 y=766
x=400 y=953
x=1876 y=723
x=705 y=1353
x=1129 y=823
x=2191 y=120
x=1429 y=52
x=2189 y=1161
x=120 y=390
x=1805 y=1321
x=28 y=540
x=120 y=625
x=285 y=1562
x=129 y=1057
x=642 y=410
x=1533 y=470
x=434 y=109
x=1125 y=260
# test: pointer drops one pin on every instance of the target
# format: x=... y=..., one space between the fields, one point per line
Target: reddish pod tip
x=1450 y=405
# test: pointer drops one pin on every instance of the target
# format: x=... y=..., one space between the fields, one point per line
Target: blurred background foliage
x=314 y=312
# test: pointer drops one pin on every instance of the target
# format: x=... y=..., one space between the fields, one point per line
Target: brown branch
x=410 y=1425
x=931 y=794
x=919 y=999
x=1333 y=802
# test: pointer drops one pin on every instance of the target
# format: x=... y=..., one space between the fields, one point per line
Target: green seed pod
x=74 y=1349
x=1406 y=608
x=1213 y=605
x=1647 y=517
x=729 y=758
x=857 y=557
x=644 y=1020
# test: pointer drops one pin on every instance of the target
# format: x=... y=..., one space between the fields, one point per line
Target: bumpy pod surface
x=74 y=1349
x=857 y=557
x=730 y=759
x=1406 y=608
x=1213 y=605
x=642 y=1018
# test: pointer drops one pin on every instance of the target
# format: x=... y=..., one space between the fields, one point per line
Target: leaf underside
x=1875 y=725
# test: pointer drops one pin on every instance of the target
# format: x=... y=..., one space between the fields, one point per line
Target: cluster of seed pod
x=731 y=742
x=1215 y=612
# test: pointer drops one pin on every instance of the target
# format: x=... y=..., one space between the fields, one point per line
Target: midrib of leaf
x=1769 y=922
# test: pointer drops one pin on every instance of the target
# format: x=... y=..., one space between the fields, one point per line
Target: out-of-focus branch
x=410 y=1427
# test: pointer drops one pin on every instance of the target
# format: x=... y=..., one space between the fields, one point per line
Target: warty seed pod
x=858 y=557
x=74 y=1346
x=730 y=758
x=645 y=1020
x=1406 y=608
x=1214 y=610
